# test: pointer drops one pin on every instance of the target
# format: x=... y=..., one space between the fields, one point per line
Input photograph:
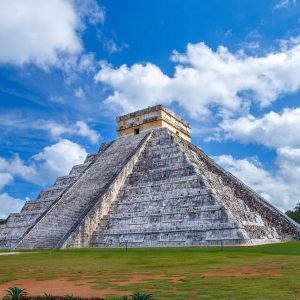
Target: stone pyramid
x=150 y=187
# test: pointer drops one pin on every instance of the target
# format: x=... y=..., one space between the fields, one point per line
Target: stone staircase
x=165 y=202
x=68 y=209
x=18 y=224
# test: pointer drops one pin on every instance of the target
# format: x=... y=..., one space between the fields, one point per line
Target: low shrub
x=141 y=296
x=15 y=293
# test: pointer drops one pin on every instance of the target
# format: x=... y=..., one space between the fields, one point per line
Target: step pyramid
x=153 y=189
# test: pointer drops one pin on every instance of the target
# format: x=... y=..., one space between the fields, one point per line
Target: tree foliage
x=295 y=213
x=2 y=221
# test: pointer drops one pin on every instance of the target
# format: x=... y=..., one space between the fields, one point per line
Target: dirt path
x=11 y=253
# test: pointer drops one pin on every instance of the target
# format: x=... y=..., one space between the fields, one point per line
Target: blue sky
x=69 y=67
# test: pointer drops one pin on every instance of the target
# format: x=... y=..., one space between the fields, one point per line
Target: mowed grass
x=261 y=272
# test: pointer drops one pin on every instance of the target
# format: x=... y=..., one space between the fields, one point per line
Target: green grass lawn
x=261 y=272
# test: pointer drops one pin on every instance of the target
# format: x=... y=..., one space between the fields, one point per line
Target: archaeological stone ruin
x=149 y=188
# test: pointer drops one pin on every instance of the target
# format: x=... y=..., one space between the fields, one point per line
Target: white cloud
x=46 y=166
x=44 y=32
x=43 y=168
x=273 y=130
x=57 y=130
x=284 y=4
x=135 y=87
x=86 y=63
x=5 y=179
x=205 y=80
x=289 y=162
x=51 y=162
x=16 y=166
x=9 y=205
x=37 y=31
x=85 y=131
x=57 y=160
x=281 y=188
x=112 y=47
x=90 y=10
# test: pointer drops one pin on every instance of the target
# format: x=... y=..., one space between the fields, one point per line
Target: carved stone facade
x=152 y=118
x=148 y=189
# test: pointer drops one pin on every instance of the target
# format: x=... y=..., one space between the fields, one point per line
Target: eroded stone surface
x=151 y=189
x=177 y=196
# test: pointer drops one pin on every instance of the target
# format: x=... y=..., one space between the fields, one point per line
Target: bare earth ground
x=81 y=287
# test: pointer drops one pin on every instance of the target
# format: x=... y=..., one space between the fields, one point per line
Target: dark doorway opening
x=136 y=131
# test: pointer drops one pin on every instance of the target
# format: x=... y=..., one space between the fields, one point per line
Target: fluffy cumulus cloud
x=52 y=161
x=278 y=131
x=281 y=189
x=57 y=130
x=41 y=32
x=5 y=179
x=9 y=205
x=205 y=80
x=16 y=166
x=44 y=168
x=274 y=130
x=8 y=170
x=135 y=87
x=57 y=160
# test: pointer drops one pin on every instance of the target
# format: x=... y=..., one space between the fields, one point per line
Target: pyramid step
x=206 y=236
x=50 y=193
x=20 y=219
x=161 y=211
x=165 y=221
x=65 y=181
x=64 y=215
x=170 y=227
x=91 y=157
x=162 y=174
x=162 y=163
x=79 y=169
x=35 y=206
x=170 y=182
x=148 y=193
x=170 y=185
x=184 y=201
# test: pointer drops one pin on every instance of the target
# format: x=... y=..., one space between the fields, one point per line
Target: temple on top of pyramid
x=149 y=188
x=152 y=118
